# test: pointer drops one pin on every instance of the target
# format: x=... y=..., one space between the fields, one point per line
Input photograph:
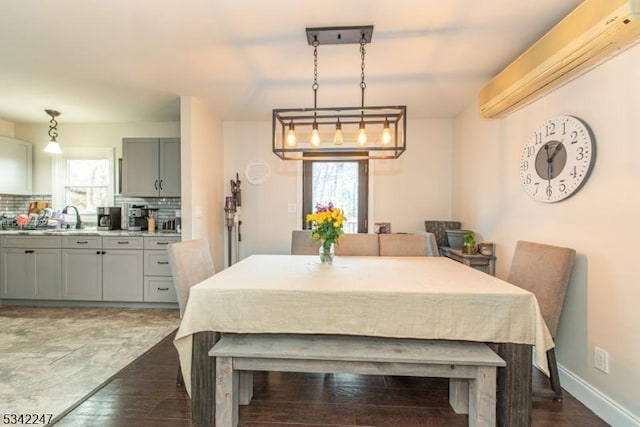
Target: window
x=84 y=178
x=343 y=182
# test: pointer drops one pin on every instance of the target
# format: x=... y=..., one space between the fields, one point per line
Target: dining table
x=430 y=298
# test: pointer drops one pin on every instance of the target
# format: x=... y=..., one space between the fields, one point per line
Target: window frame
x=363 y=187
x=59 y=172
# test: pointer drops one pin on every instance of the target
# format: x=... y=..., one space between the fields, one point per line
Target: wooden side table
x=487 y=263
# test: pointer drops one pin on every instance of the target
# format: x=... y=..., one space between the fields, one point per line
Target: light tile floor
x=50 y=358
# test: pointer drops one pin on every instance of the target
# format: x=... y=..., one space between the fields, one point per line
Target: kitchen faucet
x=78 y=219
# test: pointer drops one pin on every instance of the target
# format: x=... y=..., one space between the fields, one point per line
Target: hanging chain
x=53 y=124
x=363 y=85
x=315 y=72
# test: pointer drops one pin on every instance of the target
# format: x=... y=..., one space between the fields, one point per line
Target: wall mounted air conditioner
x=592 y=32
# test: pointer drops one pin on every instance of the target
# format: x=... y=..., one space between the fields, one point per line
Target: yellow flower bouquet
x=326 y=227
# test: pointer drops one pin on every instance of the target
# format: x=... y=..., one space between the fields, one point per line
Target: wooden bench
x=470 y=366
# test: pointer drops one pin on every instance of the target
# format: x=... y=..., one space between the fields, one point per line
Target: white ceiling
x=102 y=61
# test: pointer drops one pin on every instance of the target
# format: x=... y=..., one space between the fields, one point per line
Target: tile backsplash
x=11 y=204
x=167 y=206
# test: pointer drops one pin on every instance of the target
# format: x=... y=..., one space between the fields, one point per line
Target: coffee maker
x=138 y=218
x=109 y=218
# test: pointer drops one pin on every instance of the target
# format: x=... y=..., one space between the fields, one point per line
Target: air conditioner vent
x=591 y=33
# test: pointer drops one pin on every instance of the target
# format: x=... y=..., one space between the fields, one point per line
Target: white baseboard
x=602 y=405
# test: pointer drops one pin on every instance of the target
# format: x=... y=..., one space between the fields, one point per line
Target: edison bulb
x=315 y=136
x=386 y=136
x=291 y=137
x=362 y=135
x=337 y=136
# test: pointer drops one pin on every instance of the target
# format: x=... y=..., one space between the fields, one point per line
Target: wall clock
x=557 y=159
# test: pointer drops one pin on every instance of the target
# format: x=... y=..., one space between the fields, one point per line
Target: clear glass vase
x=327 y=252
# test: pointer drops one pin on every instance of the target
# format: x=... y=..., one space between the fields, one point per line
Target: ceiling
x=130 y=60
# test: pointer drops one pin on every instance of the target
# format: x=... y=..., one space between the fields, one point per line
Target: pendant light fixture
x=356 y=132
x=53 y=147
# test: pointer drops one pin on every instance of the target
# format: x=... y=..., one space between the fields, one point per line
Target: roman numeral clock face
x=557 y=159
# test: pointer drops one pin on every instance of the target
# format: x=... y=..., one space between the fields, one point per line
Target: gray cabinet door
x=169 y=167
x=82 y=274
x=31 y=273
x=18 y=269
x=140 y=167
x=151 y=167
x=48 y=274
x=122 y=273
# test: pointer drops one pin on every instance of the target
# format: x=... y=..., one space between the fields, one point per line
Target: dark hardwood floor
x=145 y=394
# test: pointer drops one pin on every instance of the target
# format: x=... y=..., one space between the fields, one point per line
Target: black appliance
x=109 y=218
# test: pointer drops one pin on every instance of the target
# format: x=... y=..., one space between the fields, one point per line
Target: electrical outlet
x=601 y=359
x=291 y=207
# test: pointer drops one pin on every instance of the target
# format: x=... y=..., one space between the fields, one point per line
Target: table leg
x=514 y=386
x=459 y=395
x=491 y=268
x=226 y=393
x=246 y=387
x=203 y=375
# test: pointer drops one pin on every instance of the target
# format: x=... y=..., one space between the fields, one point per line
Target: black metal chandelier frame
x=301 y=124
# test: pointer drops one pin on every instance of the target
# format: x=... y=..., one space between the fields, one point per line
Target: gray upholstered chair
x=358 y=245
x=403 y=244
x=303 y=244
x=545 y=271
x=432 y=243
x=190 y=263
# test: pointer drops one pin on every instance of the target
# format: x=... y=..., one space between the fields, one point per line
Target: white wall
x=417 y=186
x=405 y=192
x=600 y=222
x=266 y=224
x=201 y=164
x=7 y=128
x=83 y=135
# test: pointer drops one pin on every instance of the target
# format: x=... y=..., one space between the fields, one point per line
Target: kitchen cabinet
x=151 y=167
x=16 y=160
x=82 y=268
x=122 y=269
x=158 y=282
x=86 y=267
x=31 y=267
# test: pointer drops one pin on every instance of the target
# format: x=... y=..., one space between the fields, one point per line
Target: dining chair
x=190 y=263
x=360 y=244
x=545 y=271
x=432 y=243
x=303 y=244
x=403 y=244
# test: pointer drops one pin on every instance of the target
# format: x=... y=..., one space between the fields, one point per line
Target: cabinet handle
x=28 y=251
x=81 y=242
x=123 y=243
x=161 y=185
x=163 y=289
x=98 y=252
x=104 y=252
x=155 y=184
x=163 y=262
x=162 y=243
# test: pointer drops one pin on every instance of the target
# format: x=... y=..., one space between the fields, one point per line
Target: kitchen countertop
x=86 y=232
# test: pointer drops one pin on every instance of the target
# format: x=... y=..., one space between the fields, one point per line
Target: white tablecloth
x=412 y=297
